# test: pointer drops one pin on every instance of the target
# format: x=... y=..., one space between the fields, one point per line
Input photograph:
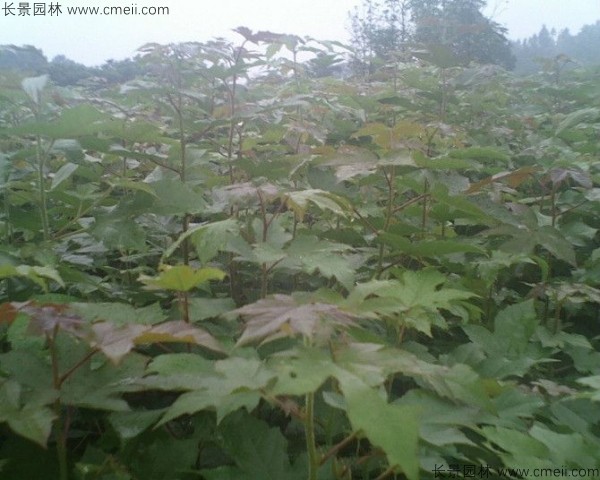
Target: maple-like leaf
x=282 y=315
x=178 y=332
x=48 y=317
x=31 y=419
x=298 y=202
x=181 y=278
x=414 y=299
x=117 y=341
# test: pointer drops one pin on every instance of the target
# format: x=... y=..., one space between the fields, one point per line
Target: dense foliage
x=228 y=269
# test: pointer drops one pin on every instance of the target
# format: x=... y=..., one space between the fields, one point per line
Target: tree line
x=561 y=47
x=62 y=70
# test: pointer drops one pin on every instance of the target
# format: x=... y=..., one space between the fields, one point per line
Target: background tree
x=380 y=29
x=118 y=71
x=26 y=58
x=64 y=71
x=462 y=26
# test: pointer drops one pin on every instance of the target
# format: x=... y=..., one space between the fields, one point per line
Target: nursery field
x=239 y=266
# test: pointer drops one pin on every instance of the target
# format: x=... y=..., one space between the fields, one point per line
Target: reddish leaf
x=559 y=175
x=46 y=318
x=8 y=312
x=281 y=315
x=115 y=342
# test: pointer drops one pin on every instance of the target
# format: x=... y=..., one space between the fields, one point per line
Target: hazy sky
x=92 y=39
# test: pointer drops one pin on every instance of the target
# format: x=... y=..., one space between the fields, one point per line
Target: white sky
x=94 y=39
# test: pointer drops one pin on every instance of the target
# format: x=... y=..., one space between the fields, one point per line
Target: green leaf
x=311 y=255
x=259 y=452
x=460 y=382
x=199 y=400
x=441 y=413
x=480 y=153
x=553 y=241
x=205 y=308
x=301 y=371
x=298 y=202
x=512 y=406
x=180 y=363
x=520 y=447
x=508 y=349
x=157 y=456
x=429 y=248
x=594 y=383
x=566 y=448
x=33 y=419
x=414 y=299
x=119 y=233
x=176 y=198
x=393 y=428
x=515 y=325
x=63 y=174
x=208 y=239
x=129 y=425
x=72 y=123
x=237 y=383
x=444 y=163
x=182 y=278
x=35 y=273
x=577 y=117
x=103 y=388
x=128 y=184
x=119 y=313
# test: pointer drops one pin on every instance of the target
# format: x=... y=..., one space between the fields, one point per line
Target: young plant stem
x=309 y=428
x=553 y=205
x=178 y=107
x=65 y=376
x=424 y=211
x=59 y=424
x=336 y=448
x=233 y=290
x=389 y=213
x=81 y=212
x=264 y=281
x=232 y=92
x=265 y=232
x=185 y=306
x=387 y=474
x=557 y=323
x=61 y=443
x=9 y=222
x=488 y=305
x=41 y=160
